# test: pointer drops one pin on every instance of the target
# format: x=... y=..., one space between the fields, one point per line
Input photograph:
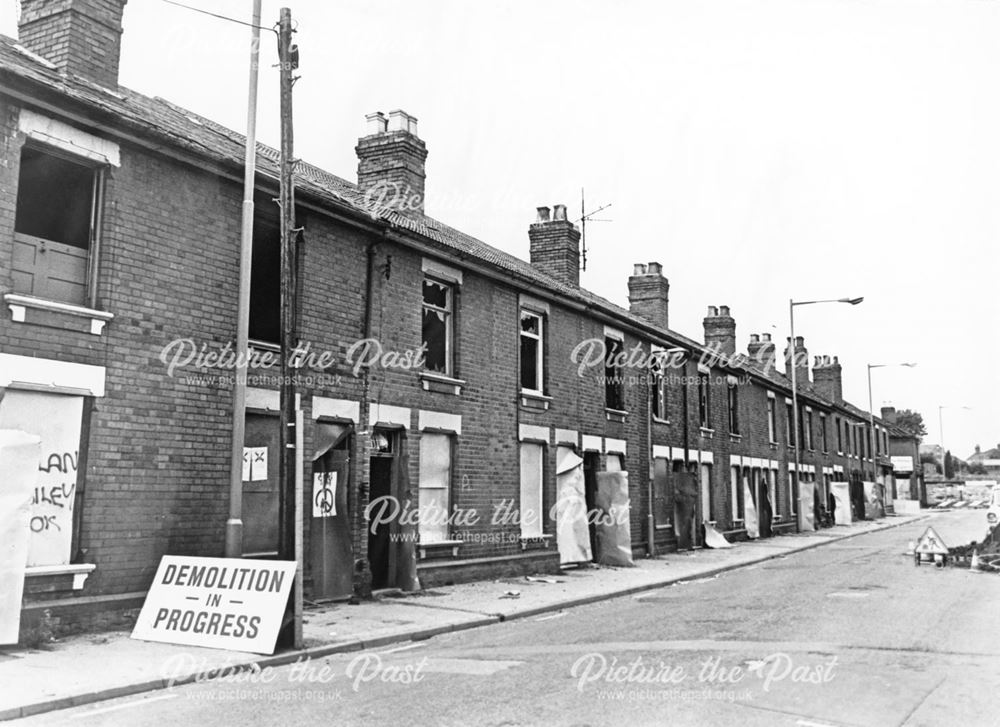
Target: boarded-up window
x=531 y=489
x=435 y=487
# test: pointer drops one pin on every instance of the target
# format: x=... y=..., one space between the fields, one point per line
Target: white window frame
x=539 y=351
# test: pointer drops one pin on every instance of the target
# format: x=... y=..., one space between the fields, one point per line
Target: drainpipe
x=650 y=520
x=363 y=424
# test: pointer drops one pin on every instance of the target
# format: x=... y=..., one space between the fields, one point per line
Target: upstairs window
x=733 y=402
x=788 y=423
x=808 y=424
x=704 y=401
x=614 y=380
x=55 y=226
x=532 y=352
x=438 y=326
x=822 y=430
x=658 y=388
x=772 y=422
x=265 y=274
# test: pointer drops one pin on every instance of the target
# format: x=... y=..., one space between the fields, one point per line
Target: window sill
x=20 y=305
x=531 y=542
x=78 y=571
x=657 y=420
x=772 y=445
x=440 y=383
x=665 y=526
x=707 y=432
x=615 y=415
x=437 y=547
x=535 y=400
x=264 y=346
x=735 y=438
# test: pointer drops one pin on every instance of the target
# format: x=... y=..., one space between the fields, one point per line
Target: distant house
x=990 y=459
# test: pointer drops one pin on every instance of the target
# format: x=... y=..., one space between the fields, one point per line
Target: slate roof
x=161 y=120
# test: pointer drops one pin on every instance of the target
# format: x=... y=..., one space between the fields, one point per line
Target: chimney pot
x=543 y=214
x=723 y=310
x=638 y=269
x=713 y=312
x=766 y=336
x=655 y=269
x=559 y=213
x=376 y=123
x=754 y=338
x=399 y=120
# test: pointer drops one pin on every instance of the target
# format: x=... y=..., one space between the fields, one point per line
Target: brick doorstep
x=469 y=618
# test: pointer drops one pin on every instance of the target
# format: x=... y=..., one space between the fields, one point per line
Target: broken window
x=438 y=325
x=58 y=208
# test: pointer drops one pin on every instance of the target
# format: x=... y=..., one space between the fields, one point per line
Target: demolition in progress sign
x=220 y=603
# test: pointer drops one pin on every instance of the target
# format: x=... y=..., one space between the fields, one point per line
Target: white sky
x=759 y=149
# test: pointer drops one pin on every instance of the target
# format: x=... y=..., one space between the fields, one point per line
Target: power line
x=220 y=17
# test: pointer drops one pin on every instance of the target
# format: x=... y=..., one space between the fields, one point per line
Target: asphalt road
x=847 y=634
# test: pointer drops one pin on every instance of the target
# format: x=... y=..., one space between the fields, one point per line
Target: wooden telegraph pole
x=287 y=63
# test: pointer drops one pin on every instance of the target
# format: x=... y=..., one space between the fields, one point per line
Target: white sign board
x=902 y=464
x=324 y=494
x=19 y=454
x=56 y=419
x=221 y=603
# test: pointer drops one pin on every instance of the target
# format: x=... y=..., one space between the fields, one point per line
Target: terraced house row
x=457 y=379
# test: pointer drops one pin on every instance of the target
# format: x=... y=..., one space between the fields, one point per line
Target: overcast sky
x=760 y=149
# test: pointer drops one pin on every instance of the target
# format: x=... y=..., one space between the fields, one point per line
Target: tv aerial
x=586 y=217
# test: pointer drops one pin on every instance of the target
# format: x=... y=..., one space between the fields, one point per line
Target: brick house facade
x=141 y=269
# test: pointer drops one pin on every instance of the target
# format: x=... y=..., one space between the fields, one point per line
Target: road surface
x=851 y=633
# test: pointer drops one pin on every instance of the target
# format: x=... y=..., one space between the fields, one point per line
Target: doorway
x=380 y=552
x=331 y=551
x=260 y=486
x=591 y=465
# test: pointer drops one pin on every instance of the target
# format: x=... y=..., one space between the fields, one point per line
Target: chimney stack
x=81 y=37
x=800 y=357
x=827 y=378
x=555 y=245
x=761 y=349
x=720 y=330
x=648 y=293
x=391 y=161
x=889 y=414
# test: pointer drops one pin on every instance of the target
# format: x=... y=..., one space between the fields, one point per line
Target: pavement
x=93 y=667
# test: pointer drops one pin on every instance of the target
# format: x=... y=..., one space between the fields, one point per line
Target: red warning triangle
x=930 y=542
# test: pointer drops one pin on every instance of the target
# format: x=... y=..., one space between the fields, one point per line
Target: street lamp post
x=871 y=416
x=795 y=398
x=941 y=430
